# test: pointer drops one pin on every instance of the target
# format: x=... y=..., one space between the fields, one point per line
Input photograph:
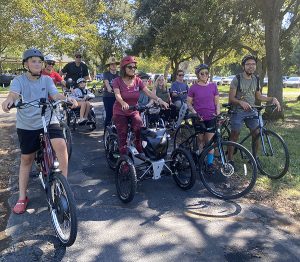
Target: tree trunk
x=166 y=71
x=272 y=21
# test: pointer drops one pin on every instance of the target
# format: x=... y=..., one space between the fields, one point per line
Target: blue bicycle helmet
x=200 y=67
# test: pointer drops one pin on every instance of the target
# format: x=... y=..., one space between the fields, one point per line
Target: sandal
x=20 y=206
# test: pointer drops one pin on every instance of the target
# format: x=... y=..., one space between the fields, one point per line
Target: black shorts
x=206 y=126
x=30 y=139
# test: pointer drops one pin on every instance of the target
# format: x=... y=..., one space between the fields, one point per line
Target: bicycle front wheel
x=112 y=151
x=183 y=168
x=126 y=180
x=63 y=211
x=273 y=159
x=224 y=178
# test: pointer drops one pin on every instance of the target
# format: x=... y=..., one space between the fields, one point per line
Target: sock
x=210 y=158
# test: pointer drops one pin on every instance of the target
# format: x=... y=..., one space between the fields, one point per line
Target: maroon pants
x=121 y=123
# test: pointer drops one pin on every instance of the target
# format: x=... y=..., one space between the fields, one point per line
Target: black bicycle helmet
x=248 y=57
x=32 y=53
x=200 y=67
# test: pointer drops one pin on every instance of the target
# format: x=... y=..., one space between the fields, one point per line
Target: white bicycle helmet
x=79 y=80
x=49 y=57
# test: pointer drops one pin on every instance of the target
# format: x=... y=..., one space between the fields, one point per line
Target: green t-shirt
x=163 y=94
x=248 y=88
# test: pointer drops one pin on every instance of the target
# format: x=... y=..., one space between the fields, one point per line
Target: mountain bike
x=268 y=148
x=222 y=177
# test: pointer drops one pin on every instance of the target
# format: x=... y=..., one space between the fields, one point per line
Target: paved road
x=163 y=223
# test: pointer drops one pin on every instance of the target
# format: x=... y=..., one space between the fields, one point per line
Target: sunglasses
x=204 y=73
x=78 y=56
x=132 y=67
x=180 y=74
x=51 y=63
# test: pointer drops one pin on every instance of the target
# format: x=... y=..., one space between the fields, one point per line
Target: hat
x=112 y=60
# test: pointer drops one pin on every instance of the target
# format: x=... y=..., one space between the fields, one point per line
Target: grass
x=287 y=189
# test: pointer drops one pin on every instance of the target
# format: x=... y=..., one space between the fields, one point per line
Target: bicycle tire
x=267 y=165
x=125 y=172
x=112 y=151
x=68 y=138
x=228 y=181
x=60 y=204
x=186 y=160
x=182 y=133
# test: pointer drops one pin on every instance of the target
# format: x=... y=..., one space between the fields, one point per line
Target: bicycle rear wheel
x=63 y=211
x=112 y=151
x=183 y=132
x=183 y=168
x=231 y=179
x=125 y=179
x=68 y=137
x=275 y=162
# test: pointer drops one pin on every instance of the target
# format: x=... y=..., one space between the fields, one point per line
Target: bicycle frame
x=261 y=129
x=217 y=138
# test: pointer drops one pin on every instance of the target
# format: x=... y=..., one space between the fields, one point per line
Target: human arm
x=263 y=98
x=189 y=102
x=11 y=98
x=119 y=98
x=154 y=97
x=233 y=99
x=107 y=85
x=217 y=104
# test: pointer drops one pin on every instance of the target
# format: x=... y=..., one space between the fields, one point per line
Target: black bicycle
x=225 y=178
x=268 y=148
x=60 y=199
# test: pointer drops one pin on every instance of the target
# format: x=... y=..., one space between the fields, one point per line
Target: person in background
x=143 y=98
x=49 y=62
x=75 y=70
x=179 y=90
x=82 y=95
x=108 y=94
x=160 y=90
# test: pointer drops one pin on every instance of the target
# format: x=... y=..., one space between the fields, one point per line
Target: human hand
x=246 y=106
x=276 y=102
x=6 y=105
x=73 y=101
x=124 y=105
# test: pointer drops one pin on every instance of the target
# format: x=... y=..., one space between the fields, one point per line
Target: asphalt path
x=162 y=223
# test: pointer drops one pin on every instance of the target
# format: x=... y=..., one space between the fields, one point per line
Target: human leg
x=59 y=146
x=136 y=125
x=121 y=123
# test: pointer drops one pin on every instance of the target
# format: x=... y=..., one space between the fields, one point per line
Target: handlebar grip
x=133 y=108
x=227 y=105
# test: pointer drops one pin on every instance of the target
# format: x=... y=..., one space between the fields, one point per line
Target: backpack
x=238 y=76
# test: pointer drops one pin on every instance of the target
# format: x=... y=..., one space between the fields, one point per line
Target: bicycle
x=136 y=167
x=60 y=199
x=268 y=148
x=223 y=178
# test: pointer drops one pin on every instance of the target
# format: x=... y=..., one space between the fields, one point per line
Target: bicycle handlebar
x=229 y=106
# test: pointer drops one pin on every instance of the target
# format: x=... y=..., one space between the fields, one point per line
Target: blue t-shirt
x=179 y=87
x=33 y=90
x=110 y=77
